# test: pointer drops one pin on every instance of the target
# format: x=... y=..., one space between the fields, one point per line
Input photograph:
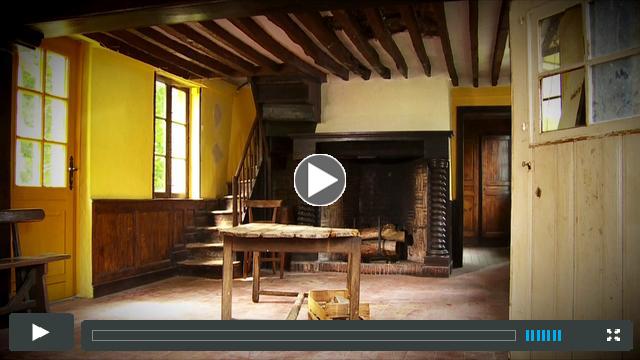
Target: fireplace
x=397 y=179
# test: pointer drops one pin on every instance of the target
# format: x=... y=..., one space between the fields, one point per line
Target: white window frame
x=536 y=74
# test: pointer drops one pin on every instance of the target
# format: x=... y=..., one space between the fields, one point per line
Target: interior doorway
x=483 y=177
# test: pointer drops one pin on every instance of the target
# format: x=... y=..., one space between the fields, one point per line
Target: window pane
x=178 y=176
x=562 y=39
x=568 y=109
x=178 y=141
x=55 y=120
x=178 y=106
x=30 y=68
x=159 y=174
x=27 y=163
x=161 y=137
x=56 y=74
x=161 y=100
x=29 y=115
x=55 y=160
x=614 y=25
x=616 y=89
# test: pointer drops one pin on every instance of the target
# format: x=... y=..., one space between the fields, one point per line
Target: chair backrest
x=16 y=216
x=264 y=204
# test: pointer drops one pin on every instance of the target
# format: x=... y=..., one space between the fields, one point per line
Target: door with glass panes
x=44 y=154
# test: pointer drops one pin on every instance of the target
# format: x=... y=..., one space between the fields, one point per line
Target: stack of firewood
x=389 y=240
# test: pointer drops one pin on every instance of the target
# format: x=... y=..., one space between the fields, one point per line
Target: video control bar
x=380 y=335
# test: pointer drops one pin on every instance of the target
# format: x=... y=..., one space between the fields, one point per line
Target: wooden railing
x=253 y=155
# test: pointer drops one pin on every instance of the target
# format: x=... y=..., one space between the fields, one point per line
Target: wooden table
x=259 y=237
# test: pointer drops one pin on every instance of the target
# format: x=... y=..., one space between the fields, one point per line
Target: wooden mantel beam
x=409 y=17
x=298 y=36
x=501 y=42
x=315 y=24
x=355 y=33
x=438 y=9
x=384 y=37
x=473 y=36
x=259 y=35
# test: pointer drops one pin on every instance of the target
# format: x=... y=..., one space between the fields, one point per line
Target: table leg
x=227 y=278
x=255 y=294
x=354 y=280
x=349 y=274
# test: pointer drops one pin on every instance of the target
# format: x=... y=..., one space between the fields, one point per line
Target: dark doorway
x=483 y=177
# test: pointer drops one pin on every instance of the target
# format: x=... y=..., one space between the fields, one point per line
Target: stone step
x=201 y=234
x=207 y=267
x=203 y=245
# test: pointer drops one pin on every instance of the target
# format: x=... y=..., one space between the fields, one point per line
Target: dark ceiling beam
x=297 y=35
x=169 y=44
x=473 y=35
x=260 y=36
x=223 y=36
x=383 y=35
x=501 y=42
x=192 y=37
x=158 y=52
x=409 y=17
x=125 y=49
x=328 y=38
x=54 y=20
x=438 y=8
x=355 y=33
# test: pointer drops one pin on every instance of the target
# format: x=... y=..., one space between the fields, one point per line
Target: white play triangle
x=37 y=332
x=318 y=180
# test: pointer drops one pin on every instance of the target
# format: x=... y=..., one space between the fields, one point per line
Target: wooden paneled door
x=44 y=123
x=495 y=156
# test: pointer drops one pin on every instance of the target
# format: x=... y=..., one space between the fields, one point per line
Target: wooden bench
x=30 y=271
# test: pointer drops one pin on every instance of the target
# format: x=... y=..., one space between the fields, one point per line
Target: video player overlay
x=379 y=335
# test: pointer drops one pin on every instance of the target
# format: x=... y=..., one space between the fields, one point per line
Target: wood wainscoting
x=133 y=240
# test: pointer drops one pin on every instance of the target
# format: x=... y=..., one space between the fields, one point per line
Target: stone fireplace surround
x=403 y=177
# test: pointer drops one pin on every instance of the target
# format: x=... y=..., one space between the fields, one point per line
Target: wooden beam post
x=438 y=8
x=310 y=48
x=384 y=37
x=473 y=35
x=315 y=24
x=259 y=35
x=501 y=42
x=409 y=17
x=355 y=33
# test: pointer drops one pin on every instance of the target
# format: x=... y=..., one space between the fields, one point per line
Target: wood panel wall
x=135 y=238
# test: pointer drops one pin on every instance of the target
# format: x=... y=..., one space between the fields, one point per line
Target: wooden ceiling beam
x=473 y=35
x=328 y=38
x=438 y=9
x=355 y=33
x=297 y=35
x=383 y=35
x=408 y=15
x=220 y=34
x=194 y=38
x=260 y=36
x=157 y=51
x=501 y=42
x=166 y=42
x=124 y=48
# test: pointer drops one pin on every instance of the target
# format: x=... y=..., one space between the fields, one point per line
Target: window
x=588 y=68
x=171 y=155
x=41 y=118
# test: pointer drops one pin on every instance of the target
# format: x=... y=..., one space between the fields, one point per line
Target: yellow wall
x=244 y=112
x=420 y=103
x=487 y=96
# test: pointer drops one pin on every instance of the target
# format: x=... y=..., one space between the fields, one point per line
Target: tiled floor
x=478 y=291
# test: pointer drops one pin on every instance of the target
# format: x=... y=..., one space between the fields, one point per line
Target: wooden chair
x=31 y=287
x=274 y=258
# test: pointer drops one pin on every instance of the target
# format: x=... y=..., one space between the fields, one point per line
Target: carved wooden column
x=438 y=259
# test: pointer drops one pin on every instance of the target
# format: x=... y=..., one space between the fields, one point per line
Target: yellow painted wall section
x=243 y=114
x=216 y=122
x=414 y=104
x=487 y=96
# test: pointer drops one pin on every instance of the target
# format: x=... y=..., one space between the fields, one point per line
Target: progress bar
x=472 y=335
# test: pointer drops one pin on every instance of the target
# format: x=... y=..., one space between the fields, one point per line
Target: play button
x=37 y=332
x=319 y=179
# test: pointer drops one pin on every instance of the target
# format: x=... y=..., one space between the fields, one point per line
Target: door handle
x=72 y=169
x=527 y=164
